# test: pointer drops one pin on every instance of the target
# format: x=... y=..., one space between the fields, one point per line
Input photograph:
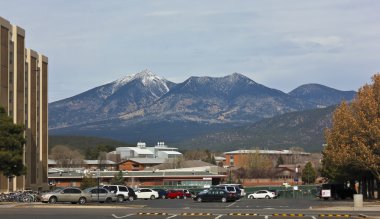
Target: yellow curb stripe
x=149 y=213
x=242 y=214
x=334 y=215
x=196 y=214
x=289 y=215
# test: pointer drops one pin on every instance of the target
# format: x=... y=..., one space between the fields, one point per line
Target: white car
x=262 y=194
x=146 y=193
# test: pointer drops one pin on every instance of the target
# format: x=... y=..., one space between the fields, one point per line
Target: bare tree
x=66 y=157
x=102 y=160
x=257 y=165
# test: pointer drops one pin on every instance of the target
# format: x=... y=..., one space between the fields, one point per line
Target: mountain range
x=147 y=107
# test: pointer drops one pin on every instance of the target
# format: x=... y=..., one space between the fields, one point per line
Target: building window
x=10 y=77
x=232 y=160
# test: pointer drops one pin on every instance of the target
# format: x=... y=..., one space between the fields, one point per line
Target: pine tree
x=11 y=146
x=88 y=182
x=118 y=179
x=308 y=174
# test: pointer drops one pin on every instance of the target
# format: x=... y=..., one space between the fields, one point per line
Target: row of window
x=188 y=183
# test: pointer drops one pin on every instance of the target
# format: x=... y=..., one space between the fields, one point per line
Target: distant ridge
x=321 y=95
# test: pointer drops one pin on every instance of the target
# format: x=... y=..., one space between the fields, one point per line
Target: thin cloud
x=324 y=41
x=163 y=13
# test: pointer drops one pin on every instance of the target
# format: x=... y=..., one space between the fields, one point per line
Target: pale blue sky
x=279 y=43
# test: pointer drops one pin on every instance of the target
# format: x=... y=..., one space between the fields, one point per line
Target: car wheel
x=152 y=197
x=267 y=197
x=199 y=199
x=120 y=199
x=224 y=199
x=163 y=196
x=251 y=197
x=53 y=200
x=130 y=198
x=108 y=200
x=82 y=200
x=177 y=197
x=184 y=197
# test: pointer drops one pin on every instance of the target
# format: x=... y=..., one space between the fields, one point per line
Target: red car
x=176 y=194
x=187 y=193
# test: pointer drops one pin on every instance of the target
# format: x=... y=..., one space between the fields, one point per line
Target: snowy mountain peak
x=144 y=75
x=237 y=77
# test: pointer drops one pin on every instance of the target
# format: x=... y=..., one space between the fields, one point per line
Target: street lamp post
x=98 y=178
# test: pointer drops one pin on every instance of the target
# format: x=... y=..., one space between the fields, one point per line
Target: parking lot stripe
x=231 y=204
x=128 y=215
x=171 y=216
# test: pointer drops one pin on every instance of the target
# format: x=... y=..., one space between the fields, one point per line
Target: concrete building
x=24 y=95
x=163 y=151
x=159 y=178
x=160 y=151
x=134 y=152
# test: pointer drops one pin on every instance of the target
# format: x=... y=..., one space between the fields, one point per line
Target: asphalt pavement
x=178 y=209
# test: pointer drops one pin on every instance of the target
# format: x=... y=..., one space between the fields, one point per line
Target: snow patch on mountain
x=146 y=77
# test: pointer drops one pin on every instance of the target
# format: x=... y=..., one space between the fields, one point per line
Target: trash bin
x=358 y=200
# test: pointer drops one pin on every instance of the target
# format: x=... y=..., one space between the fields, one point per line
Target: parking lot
x=244 y=203
x=187 y=208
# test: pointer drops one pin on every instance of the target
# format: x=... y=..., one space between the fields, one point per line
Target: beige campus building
x=24 y=95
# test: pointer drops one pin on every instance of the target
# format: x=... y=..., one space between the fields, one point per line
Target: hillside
x=297 y=129
x=83 y=142
x=321 y=95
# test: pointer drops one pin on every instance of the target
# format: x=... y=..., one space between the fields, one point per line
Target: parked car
x=122 y=192
x=162 y=193
x=101 y=195
x=176 y=194
x=215 y=195
x=238 y=186
x=73 y=195
x=187 y=193
x=131 y=194
x=262 y=194
x=230 y=189
x=276 y=192
x=144 y=193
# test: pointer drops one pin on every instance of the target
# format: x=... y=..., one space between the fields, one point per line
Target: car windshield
x=57 y=190
x=203 y=192
x=88 y=190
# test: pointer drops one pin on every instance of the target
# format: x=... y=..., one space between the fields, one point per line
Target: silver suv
x=122 y=192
